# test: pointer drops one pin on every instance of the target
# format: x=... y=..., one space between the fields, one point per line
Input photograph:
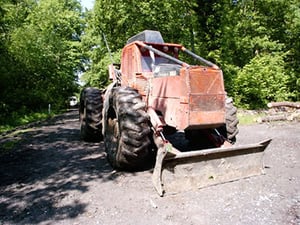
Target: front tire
x=126 y=130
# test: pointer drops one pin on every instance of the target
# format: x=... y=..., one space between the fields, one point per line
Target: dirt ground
x=50 y=177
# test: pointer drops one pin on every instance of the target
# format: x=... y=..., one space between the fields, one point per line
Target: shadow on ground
x=48 y=163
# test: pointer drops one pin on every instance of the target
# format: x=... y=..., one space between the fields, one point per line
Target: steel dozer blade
x=177 y=171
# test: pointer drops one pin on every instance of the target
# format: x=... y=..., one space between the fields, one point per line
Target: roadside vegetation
x=45 y=45
x=16 y=120
x=247 y=117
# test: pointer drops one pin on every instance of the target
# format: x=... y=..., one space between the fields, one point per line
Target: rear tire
x=126 y=130
x=90 y=111
x=230 y=130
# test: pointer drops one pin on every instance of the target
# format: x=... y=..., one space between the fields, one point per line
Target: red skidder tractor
x=155 y=94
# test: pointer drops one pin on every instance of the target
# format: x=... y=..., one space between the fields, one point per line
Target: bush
x=262 y=80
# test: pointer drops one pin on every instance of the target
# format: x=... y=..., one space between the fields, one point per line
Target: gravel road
x=49 y=176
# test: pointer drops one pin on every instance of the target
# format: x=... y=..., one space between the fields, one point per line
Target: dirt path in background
x=50 y=177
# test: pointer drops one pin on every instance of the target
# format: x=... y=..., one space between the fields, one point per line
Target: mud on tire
x=90 y=113
x=127 y=130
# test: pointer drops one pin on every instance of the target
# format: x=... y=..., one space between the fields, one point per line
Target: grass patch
x=8 y=146
x=249 y=117
x=16 y=119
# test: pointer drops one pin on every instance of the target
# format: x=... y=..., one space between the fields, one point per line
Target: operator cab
x=160 y=66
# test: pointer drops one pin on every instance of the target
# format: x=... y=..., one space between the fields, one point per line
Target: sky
x=87 y=3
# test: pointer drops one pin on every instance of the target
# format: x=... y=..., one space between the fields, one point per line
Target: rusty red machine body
x=161 y=89
x=188 y=97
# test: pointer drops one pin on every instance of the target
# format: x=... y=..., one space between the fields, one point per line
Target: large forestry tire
x=126 y=130
x=90 y=111
x=231 y=129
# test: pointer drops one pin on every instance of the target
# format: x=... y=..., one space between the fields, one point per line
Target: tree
x=45 y=44
x=291 y=37
x=239 y=35
x=12 y=15
x=261 y=81
x=117 y=21
x=42 y=44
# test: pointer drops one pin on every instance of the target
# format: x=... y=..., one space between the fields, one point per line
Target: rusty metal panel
x=206 y=97
x=207 y=102
x=169 y=87
x=141 y=83
x=209 y=119
x=175 y=112
x=206 y=80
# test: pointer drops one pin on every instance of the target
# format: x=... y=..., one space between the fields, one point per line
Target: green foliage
x=117 y=21
x=263 y=80
x=21 y=118
x=45 y=44
x=98 y=75
x=249 y=36
x=7 y=146
x=40 y=53
x=292 y=40
x=250 y=40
